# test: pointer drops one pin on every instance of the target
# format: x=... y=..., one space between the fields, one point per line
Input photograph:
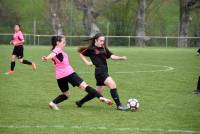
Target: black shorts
x=73 y=79
x=100 y=79
x=18 y=51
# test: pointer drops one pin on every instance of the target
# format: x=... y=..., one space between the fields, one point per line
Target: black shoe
x=122 y=107
x=78 y=104
x=197 y=91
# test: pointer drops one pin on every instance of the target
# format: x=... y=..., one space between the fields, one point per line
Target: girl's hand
x=11 y=42
x=89 y=63
x=44 y=58
x=124 y=58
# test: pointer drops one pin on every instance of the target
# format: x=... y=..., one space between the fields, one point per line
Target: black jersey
x=98 y=56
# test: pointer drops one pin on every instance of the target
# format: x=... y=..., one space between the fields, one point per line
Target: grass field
x=160 y=78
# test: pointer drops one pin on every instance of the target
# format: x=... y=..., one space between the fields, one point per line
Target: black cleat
x=78 y=104
x=122 y=107
x=197 y=91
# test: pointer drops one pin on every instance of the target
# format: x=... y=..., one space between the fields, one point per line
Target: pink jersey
x=61 y=61
x=17 y=37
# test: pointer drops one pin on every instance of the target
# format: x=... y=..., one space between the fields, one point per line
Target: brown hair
x=54 y=40
x=92 y=44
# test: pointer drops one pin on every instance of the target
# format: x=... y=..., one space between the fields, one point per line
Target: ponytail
x=82 y=49
x=92 y=44
x=54 y=40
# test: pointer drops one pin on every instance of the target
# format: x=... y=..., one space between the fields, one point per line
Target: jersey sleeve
x=20 y=36
x=108 y=53
x=56 y=50
x=86 y=52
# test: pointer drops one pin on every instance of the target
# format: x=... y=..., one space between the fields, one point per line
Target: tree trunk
x=54 y=6
x=89 y=18
x=140 y=23
x=184 y=23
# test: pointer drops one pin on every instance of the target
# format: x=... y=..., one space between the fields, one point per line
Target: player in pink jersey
x=17 y=41
x=65 y=74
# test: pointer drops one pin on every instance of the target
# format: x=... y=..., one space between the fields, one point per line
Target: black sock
x=60 y=99
x=12 y=66
x=87 y=98
x=198 y=84
x=27 y=62
x=115 y=96
x=93 y=92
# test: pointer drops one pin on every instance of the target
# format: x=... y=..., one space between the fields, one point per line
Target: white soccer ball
x=133 y=104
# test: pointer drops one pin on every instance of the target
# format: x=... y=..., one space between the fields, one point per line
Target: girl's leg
x=60 y=98
x=89 y=97
x=198 y=84
x=23 y=61
x=63 y=85
x=113 y=91
x=93 y=92
x=197 y=91
x=12 y=65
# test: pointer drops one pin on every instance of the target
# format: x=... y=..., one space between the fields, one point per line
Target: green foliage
x=162 y=17
x=195 y=27
x=121 y=17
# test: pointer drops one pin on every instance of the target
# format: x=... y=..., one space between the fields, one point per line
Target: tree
x=8 y=16
x=89 y=16
x=120 y=16
x=140 y=22
x=54 y=6
x=185 y=7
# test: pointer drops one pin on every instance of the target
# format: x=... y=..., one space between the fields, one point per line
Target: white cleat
x=53 y=106
x=103 y=99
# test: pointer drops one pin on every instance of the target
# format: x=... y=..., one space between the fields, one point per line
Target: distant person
x=65 y=74
x=18 y=51
x=98 y=53
x=198 y=52
x=197 y=90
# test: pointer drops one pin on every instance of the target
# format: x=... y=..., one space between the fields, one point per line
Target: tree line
x=126 y=17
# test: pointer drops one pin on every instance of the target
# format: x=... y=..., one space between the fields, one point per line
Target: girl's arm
x=50 y=56
x=18 y=42
x=115 y=57
x=84 y=59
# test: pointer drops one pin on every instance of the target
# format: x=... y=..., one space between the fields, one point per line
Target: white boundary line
x=100 y=128
x=167 y=68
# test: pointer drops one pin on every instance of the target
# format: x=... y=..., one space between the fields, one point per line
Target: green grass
x=165 y=97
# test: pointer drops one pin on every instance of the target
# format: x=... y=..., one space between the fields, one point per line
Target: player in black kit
x=197 y=90
x=98 y=54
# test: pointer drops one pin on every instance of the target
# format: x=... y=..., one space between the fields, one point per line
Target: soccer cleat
x=103 y=99
x=33 y=66
x=122 y=107
x=53 y=106
x=197 y=91
x=78 y=104
x=10 y=72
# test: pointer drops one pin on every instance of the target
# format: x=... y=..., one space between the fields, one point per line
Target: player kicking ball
x=197 y=90
x=65 y=74
x=98 y=53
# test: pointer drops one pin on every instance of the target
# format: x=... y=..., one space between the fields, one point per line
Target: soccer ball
x=133 y=104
